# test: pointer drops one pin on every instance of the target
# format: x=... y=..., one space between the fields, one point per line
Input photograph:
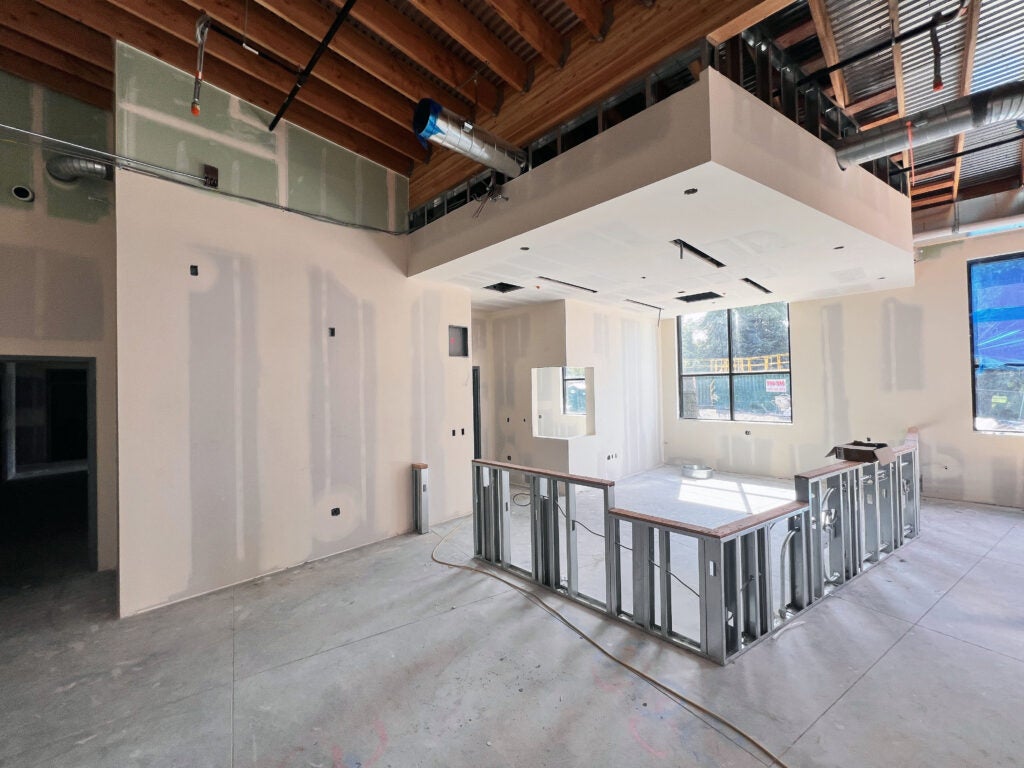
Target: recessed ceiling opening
x=641 y=304
x=567 y=285
x=759 y=287
x=503 y=287
x=685 y=247
x=706 y=296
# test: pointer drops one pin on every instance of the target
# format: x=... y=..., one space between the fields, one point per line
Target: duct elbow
x=68 y=168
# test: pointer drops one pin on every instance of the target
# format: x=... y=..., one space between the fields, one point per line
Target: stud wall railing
x=714 y=591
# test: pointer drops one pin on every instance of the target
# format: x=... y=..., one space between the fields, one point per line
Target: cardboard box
x=861 y=451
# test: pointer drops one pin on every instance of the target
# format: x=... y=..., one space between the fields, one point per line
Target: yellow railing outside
x=757 y=364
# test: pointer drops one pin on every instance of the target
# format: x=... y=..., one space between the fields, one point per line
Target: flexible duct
x=996 y=105
x=432 y=122
x=70 y=168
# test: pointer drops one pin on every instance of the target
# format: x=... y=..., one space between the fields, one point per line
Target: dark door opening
x=47 y=499
x=477 y=437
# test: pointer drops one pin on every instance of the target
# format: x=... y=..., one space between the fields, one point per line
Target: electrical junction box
x=861 y=451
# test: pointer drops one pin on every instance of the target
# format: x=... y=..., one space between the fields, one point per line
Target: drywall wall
x=507 y=346
x=760 y=143
x=549 y=417
x=668 y=137
x=242 y=422
x=622 y=349
x=289 y=167
x=57 y=268
x=872 y=365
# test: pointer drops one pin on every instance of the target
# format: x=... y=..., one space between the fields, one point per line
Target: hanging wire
x=656 y=564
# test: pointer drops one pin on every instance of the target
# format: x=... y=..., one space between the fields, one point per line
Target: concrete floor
x=379 y=657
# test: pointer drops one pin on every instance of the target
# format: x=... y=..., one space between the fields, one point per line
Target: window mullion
x=732 y=389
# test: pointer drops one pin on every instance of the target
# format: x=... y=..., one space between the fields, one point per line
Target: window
x=997 y=342
x=734 y=364
x=574 y=391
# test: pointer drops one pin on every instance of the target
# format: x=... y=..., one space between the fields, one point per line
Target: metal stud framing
x=848 y=518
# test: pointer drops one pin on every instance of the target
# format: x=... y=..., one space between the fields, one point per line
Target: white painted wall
x=873 y=365
x=241 y=422
x=622 y=348
x=549 y=418
x=507 y=346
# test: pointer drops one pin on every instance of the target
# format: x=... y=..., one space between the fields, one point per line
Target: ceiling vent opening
x=641 y=304
x=706 y=296
x=503 y=287
x=567 y=285
x=759 y=287
x=685 y=247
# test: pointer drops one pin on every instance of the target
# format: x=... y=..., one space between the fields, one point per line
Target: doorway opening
x=47 y=470
x=477 y=436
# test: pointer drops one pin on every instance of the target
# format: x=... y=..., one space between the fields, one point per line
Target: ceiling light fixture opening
x=707 y=295
x=503 y=287
x=685 y=247
x=567 y=285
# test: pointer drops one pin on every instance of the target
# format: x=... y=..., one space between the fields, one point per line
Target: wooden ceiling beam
x=471 y=34
x=40 y=23
x=966 y=73
x=534 y=29
x=927 y=189
x=402 y=32
x=874 y=100
x=120 y=25
x=57 y=59
x=819 y=13
x=314 y=20
x=797 y=34
x=644 y=37
x=880 y=121
x=265 y=31
x=55 y=79
x=752 y=13
x=597 y=19
x=924 y=202
x=935 y=173
x=178 y=19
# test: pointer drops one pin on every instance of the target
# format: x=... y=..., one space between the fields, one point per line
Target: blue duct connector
x=424 y=121
x=432 y=122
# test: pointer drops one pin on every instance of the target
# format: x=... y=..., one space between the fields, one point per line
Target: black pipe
x=937 y=20
x=225 y=32
x=955 y=155
x=320 y=50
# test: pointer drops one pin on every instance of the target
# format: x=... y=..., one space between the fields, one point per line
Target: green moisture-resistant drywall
x=289 y=167
x=16 y=167
x=86 y=199
x=34 y=108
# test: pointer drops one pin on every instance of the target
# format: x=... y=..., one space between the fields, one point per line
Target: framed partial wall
x=9 y=469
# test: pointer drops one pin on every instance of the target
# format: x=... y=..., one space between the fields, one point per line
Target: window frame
x=973 y=369
x=731 y=374
x=565 y=388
